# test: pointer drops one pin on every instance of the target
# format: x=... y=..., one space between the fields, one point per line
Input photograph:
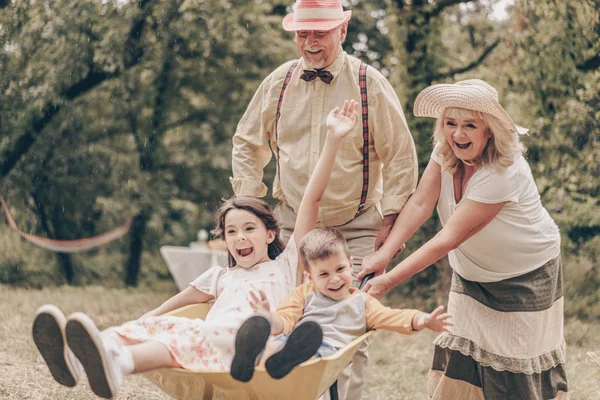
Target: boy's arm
x=289 y=311
x=260 y=303
x=189 y=295
x=404 y=321
x=386 y=318
x=435 y=321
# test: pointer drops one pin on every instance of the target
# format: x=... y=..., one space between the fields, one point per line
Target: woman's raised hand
x=341 y=121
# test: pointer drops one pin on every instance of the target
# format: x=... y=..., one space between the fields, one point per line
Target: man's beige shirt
x=302 y=130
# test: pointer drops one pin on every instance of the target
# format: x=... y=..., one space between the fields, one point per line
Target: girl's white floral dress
x=208 y=345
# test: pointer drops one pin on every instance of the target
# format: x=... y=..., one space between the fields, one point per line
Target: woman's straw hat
x=471 y=94
x=316 y=15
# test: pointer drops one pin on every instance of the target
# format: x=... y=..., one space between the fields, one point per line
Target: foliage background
x=116 y=109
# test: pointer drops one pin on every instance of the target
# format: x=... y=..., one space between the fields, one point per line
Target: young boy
x=327 y=313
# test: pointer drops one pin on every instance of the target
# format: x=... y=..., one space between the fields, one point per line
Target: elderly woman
x=504 y=248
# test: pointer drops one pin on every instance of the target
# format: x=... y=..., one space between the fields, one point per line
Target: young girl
x=257 y=262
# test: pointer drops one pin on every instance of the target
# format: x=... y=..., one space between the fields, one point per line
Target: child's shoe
x=49 y=337
x=301 y=345
x=250 y=341
x=101 y=359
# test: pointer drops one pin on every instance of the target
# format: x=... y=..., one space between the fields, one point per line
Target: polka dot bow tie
x=310 y=75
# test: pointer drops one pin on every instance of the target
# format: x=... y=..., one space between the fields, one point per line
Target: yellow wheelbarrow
x=308 y=381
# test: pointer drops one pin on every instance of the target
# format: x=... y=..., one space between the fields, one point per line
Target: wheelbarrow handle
x=364 y=280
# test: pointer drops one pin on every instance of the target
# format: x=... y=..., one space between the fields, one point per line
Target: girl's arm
x=189 y=295
x=470 y=217
x=339 y=123
x=416 y=211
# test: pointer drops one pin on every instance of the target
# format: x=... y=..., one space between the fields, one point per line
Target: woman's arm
x=416 y=211
x=189 y=295
x=470 y=217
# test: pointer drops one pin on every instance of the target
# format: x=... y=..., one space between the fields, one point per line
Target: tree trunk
x=147 y=149
x=136 y=247
x=65 y=261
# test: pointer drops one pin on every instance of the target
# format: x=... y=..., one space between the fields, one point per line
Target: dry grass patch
x=398 y=366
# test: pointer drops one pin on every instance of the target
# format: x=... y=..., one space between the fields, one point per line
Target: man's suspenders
x=362 y=82
x=288 y=77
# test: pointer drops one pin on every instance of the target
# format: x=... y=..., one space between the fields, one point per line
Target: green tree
x=151 y=92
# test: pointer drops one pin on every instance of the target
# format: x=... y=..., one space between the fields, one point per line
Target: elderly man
x=376 y=168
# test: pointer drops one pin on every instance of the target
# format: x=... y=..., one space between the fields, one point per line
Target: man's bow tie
x=310 y=75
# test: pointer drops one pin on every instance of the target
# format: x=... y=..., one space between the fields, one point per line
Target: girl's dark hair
x=257 y=207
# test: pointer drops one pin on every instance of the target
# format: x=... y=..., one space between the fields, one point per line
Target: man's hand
x=384 y=232
x=379 y=286
x=376 y=262
x=435 y=321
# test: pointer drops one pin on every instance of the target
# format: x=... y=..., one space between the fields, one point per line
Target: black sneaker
x=249 y=342
x=49 y=336
x=302 y=344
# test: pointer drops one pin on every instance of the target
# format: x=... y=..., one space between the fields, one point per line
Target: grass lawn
x=398 y=365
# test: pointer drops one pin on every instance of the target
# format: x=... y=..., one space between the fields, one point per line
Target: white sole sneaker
x=85 y=341
x=49 y=337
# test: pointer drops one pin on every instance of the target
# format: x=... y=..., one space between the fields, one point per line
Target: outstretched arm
x=339 y=123
x=470 y=217
x=189 y=295
x=404 y=320
x=434 y=321
x=416 y=211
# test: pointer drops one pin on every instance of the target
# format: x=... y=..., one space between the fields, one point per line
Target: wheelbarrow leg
x=333 y=391
x=208 y=391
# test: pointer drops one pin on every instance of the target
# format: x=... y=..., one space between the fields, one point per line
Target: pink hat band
x=316 y=15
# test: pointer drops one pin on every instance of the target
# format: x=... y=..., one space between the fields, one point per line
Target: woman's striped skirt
x=507 y=341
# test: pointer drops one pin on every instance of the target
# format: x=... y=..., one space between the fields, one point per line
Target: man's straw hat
x=316 y=15
x=471 y=94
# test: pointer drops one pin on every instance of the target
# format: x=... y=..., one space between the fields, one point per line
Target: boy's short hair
x=321 y=243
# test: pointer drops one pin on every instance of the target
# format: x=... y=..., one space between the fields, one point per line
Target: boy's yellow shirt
x=377 y=315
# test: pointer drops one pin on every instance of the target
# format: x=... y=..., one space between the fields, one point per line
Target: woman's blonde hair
x=499 y=153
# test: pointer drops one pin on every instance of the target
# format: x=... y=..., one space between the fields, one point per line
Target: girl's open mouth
x=245 y=252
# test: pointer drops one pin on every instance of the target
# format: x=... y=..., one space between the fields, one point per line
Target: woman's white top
x=521 y=238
